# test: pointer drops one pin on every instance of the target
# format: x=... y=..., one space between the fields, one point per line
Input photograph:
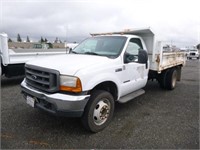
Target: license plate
x=30 y=101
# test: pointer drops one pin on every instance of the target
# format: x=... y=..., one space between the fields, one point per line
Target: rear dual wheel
x=168 y=78
x=171 y=79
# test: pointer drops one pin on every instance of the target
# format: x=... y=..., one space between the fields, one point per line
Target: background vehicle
x=193 y=53
x=102 y=70
x=13 y=60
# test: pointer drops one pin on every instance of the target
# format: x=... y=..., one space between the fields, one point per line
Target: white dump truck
x=13 y=60
x=103 y=69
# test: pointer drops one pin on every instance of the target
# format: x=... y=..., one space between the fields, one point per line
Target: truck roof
x=127 y=31
x=125 y=35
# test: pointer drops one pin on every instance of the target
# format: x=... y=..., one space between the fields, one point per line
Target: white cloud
x=177 y=20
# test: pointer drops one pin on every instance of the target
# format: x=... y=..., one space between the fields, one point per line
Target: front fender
x=92 y=81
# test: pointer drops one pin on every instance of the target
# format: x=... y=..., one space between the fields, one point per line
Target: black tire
x=1 y=69
x=171 y=79
x=162 y=79
x=1 y=72
x=99 y=111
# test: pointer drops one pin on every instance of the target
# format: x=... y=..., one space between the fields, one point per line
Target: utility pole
x=67 y=49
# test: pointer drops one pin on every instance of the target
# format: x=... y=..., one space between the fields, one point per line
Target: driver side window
x=132 y=50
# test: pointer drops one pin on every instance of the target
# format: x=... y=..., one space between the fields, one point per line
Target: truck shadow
x=11 y=81
x=63 y=126
x=144 y=101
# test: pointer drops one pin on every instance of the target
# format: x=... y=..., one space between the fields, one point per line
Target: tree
x=198 y=46
x=9 y=40
x=50 y=45
x=45 y=40
x=19 y=38
x=42 y=40
x=27 y=39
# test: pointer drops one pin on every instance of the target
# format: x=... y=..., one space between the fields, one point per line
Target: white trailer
x=13 y=60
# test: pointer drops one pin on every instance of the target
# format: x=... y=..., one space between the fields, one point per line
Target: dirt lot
x=158 y=119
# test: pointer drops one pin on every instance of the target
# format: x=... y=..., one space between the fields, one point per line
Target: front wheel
x=99 y=111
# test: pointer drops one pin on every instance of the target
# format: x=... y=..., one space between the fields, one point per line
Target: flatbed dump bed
x=162 y=60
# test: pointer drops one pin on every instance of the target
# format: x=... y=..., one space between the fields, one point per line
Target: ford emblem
x=34 y=77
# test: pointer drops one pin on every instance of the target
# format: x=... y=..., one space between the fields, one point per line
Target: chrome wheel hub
x=101 y=112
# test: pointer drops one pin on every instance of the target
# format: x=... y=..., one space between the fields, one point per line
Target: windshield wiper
x=73 y=52
x=91 y=53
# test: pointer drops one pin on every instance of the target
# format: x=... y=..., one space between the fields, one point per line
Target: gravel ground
x=159 y=119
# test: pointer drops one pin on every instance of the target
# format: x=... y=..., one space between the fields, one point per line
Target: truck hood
x=68 y=64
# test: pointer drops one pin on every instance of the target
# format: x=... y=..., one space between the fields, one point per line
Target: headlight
x=70 y=84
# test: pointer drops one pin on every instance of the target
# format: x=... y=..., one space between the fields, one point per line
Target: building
x=31 y=45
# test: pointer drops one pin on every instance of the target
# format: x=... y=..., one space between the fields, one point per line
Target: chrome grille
x=42 y=78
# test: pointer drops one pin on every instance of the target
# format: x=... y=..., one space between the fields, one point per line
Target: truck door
x=135 y=74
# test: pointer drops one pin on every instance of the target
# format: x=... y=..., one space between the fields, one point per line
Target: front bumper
x=193 y=56
x=57 y=103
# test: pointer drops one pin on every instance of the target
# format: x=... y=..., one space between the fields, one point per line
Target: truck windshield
x=109 y=46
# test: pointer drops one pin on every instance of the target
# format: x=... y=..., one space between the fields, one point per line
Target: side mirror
x=143 y=57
